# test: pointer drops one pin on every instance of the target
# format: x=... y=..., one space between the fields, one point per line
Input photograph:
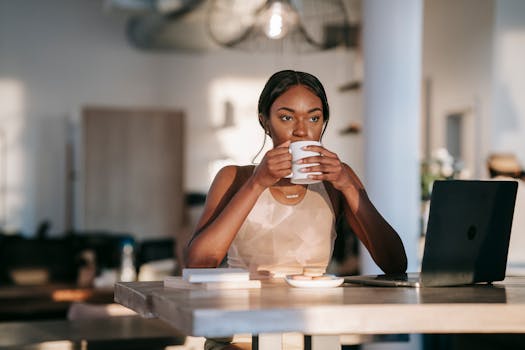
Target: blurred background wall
x=58 y=57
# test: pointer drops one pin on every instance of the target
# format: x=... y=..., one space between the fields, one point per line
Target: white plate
x=324 y=283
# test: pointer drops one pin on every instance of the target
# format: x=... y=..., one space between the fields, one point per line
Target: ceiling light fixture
x=279 y=25
x=277 y=19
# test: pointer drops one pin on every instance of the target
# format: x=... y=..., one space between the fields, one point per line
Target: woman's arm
x=381 y=240
x=230 y=199
x=378 y=236
x=228 y=203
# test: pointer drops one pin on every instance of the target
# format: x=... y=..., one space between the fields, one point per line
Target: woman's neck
x=286 y=192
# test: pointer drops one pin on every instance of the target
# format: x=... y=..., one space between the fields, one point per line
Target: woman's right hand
x=276 y=164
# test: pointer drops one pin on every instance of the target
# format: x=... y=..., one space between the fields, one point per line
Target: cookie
x=301 y=277
x=325 y=277
x=313 y=271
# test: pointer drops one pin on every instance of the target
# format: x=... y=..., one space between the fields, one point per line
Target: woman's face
x=296 y=115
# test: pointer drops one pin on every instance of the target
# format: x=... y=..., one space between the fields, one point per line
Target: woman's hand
x=276 y=164
x=332 y=169
x=381 y=240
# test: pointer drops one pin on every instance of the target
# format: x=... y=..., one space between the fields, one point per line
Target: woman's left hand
x=331 y=167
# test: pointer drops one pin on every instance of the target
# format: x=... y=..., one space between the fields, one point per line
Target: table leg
x=268 y=341
x=322 y=342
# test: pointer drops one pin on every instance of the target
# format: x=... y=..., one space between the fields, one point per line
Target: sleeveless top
x=278 y=239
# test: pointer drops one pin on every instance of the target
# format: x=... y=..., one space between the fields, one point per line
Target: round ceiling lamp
x=279 y=25
x=277 y=18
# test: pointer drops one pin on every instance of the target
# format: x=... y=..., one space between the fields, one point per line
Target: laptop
x=467 y=238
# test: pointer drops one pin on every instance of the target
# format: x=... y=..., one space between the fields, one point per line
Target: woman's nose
x=299 y=129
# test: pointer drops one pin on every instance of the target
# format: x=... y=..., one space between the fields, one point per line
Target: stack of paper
x=215 y=275
x=212 y=278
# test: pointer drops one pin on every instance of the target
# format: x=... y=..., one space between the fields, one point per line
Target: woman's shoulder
x=227 y=182
x=234 y=174
x=233 y=171
x=245 y=171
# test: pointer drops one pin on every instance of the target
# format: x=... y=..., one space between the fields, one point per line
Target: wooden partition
x=132 y=171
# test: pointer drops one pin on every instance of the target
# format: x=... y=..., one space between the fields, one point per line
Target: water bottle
x=128 y=273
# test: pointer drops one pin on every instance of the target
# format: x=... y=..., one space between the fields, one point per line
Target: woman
x=261 y=221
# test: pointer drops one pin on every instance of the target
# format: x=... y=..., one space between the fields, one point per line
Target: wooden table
x=48 y=301
x=325 y=314
x=34 y=317
x=126 y=332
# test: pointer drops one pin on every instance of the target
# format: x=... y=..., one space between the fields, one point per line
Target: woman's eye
x=315 y=119
x=286 y=117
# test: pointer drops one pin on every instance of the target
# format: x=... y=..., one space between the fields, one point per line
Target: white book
x=215 y=274
x=179 y=283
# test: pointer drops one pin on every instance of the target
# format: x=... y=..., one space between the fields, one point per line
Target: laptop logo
x=471 y=233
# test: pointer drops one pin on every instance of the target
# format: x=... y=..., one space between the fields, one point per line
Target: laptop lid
x=467 y=236
x=468 y=232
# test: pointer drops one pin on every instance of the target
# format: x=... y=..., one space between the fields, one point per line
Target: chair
x=507 y=166
x=504 y=164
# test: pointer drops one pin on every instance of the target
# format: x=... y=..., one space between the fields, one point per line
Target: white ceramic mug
x=298 y=177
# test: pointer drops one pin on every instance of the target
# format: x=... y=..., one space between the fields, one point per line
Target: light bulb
x=278 y=19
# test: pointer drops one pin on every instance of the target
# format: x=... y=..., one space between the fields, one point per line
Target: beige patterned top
x=278 y=239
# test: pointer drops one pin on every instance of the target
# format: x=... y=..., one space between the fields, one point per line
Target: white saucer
x=324 y=283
